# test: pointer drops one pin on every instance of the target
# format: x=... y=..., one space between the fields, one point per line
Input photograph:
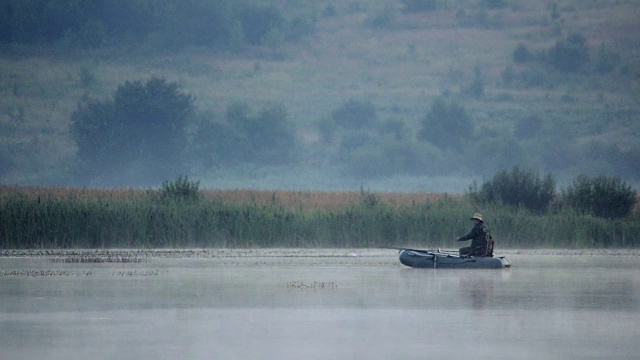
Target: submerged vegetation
x=82 y=218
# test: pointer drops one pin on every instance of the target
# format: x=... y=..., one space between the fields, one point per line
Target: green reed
x=149 y=221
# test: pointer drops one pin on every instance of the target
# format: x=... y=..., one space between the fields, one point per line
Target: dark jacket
x=478 y=236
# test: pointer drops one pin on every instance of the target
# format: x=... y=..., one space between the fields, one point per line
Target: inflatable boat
x=443 y=259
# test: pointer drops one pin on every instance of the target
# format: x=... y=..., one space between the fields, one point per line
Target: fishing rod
x=438 y=251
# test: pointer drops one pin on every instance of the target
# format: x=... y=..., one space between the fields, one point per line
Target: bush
x=447 y=125
x=570 y=54
x=181 y=190
x=516 y=188
x=139 y=136
x=602 y=196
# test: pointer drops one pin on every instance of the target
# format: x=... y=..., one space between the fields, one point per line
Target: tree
x=138 y=136
x=517 y=188
x=264 y=138
x=271 y=135
x=447 y=125
x=219 y=24
x=570 y=54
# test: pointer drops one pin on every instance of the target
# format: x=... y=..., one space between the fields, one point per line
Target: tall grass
x=74 y=218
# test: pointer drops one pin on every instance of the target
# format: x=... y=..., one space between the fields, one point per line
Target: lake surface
x=314 y=304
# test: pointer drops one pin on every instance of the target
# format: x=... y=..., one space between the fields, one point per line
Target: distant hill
x=548 y=86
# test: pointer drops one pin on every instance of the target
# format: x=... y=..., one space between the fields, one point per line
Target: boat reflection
x=452 y=288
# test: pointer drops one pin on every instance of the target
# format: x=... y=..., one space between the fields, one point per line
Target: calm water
x=338 y=306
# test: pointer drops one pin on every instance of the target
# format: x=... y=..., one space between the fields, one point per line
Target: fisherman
x=479 y=237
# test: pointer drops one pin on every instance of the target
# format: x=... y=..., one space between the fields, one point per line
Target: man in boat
x=479 y=237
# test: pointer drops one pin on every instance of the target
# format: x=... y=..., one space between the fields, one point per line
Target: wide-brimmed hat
x=477 y=216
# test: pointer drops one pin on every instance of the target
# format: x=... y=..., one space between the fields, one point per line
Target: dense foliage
x=244 y=136
x=148 y=132
x=446 y=125
x=602 y=196
x=180 y=189
x=517 y=188
x=137 y=136
x=220 y=24
x=570 y=54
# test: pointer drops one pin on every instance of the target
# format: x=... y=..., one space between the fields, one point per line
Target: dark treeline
x=141 y=136
x=220 y=24
x=150 y=131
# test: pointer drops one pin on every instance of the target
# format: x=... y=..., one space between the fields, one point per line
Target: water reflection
x=478 y=289
x=562 y=307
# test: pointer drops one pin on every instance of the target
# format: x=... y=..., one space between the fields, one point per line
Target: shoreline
x=285 y=252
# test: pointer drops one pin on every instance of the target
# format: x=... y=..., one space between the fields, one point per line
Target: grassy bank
x=74 y=218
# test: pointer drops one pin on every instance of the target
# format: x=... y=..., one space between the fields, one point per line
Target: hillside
x=527 y=113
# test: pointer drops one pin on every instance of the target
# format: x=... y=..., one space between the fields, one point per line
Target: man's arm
x=472 y=234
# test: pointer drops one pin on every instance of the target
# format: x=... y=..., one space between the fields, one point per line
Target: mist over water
x=318 y=304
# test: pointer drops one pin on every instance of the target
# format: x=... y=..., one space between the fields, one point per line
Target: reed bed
x=305 y=200
x=54 y=218
x=319 y=200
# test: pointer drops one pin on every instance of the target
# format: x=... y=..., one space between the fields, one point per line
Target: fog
x=400 y=95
